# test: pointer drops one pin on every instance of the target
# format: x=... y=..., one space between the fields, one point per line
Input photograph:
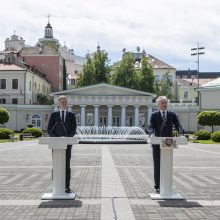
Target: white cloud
x=165 y=29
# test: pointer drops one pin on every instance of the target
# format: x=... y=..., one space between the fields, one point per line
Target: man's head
x=162 y=102
x=63 y=102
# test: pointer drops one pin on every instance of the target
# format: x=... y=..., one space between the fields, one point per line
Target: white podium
x=167 y=144
x=59 y=146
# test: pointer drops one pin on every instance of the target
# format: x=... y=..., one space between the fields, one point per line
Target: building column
x=149 y=115
x=109 y=115
x=123 y=115
x=82 y=115
x=136 y=116
x=96 y=117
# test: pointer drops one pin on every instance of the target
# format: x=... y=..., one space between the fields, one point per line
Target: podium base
x=155 y=196
x=50 y=196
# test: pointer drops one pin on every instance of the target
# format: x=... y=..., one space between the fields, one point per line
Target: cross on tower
x=48 y=18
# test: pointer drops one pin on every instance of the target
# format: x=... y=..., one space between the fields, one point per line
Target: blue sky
x=166 y=29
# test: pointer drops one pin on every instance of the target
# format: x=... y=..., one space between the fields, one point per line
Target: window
x=2 y=83
x=72 y=81
x=36 y=120
x=185 y=95
x=170 y=78
x=129 y=121
x=102 y=121
x=157 y=78
x=14 y=83
x=2 y=101
x=116 y=121
x=15 y=101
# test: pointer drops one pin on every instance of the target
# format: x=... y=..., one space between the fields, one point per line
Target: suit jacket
x=160 y=129
x=56 y=128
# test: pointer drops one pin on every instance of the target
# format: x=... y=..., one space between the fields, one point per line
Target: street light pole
x=197 y=53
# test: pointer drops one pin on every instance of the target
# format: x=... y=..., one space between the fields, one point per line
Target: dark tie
x=63 y=119
x=164 y=117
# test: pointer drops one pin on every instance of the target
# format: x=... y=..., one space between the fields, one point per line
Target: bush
x=203 y=135
x=216 y=136
x=5 y=132
x=36 y=132
x=30 y=126
x=4 y=116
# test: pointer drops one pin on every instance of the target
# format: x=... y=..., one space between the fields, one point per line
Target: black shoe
x=157 y=191
x=68 y=190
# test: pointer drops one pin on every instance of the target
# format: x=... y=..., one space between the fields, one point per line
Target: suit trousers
x=156 y=161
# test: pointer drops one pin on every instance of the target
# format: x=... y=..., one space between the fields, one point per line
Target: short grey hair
x=62 y=97
x=161 y=98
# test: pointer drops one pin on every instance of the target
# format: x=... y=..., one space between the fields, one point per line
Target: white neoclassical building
x=104 y=104
x=101 y=104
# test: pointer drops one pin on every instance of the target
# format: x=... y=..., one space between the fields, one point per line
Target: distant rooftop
x=213 y=83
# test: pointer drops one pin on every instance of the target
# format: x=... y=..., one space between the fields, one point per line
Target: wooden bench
x=27 y=135
x=12 y=137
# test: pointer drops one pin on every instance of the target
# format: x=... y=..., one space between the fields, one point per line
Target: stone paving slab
x=110 y=182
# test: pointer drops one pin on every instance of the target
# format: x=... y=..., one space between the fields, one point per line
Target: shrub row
x=36 y=132
x=5 y=132
x=206 y=135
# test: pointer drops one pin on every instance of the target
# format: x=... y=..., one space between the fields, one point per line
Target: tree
x=125 y=74
x=209 y=118
x=146 y=76
x=96 y=69
x=87 y=76
x=101 y=66
x=43 y=99
x=4 y=116
x=164 y=86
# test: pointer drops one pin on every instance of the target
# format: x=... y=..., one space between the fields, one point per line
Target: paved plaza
x=110 y=182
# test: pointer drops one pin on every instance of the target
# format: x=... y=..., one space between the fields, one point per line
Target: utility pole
x=197 y=53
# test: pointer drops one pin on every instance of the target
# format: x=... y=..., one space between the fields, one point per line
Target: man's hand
x=152 y=135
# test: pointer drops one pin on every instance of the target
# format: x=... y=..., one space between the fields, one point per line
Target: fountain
x=109 y=134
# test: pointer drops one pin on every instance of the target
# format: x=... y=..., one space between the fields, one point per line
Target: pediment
x=104 y=89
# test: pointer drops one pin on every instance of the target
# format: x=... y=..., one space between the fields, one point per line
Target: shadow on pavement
x=179 y=203
x=60 y=204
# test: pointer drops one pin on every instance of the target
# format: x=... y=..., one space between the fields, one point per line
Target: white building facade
x=101 y=105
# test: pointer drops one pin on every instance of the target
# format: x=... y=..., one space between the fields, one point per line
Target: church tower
x=48 y=29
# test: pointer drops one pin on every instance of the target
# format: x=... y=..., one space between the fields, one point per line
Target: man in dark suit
x=63 y=123
x=162 y=122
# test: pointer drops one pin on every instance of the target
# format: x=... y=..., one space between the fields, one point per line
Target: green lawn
x=204 y=141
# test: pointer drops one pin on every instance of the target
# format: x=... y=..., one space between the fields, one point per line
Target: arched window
x=36 y=120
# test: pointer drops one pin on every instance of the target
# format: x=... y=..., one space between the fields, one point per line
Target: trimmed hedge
x=5 y=132
x=4 y=116
x=36 y=132
x=203 y=135
x=216 y=136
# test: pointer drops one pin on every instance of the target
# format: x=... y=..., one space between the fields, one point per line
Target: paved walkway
x=110 y=181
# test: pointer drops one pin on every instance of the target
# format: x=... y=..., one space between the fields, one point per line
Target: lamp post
x=196 y=52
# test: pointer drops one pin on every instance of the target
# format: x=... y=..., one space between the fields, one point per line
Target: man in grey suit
x=62 y=123
x=162 y=122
